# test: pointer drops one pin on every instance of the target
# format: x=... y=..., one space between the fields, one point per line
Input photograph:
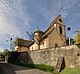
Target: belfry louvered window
x=60 y=29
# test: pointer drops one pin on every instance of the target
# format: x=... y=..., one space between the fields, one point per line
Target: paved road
x=6 y=68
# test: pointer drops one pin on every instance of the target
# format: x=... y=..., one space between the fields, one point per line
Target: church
x=54 y=36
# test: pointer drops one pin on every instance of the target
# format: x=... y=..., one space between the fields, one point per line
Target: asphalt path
x=5 y=69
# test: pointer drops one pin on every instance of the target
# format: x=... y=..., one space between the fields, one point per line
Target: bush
x=44 y=67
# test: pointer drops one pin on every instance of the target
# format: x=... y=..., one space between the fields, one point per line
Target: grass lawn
x=70 y=71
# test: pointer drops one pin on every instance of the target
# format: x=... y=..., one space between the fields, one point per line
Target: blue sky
x=19 y=16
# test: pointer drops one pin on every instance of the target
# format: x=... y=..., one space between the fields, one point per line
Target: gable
x=57 y=20
x=53 y=25
x=60 y=20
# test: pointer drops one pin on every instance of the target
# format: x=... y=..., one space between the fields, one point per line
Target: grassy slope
x=70 y=71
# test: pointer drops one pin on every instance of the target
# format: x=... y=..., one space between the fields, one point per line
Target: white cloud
x=62 y=7
x=13 y=20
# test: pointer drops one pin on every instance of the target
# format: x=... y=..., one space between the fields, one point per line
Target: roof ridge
x=55 y=19
x=24 y=39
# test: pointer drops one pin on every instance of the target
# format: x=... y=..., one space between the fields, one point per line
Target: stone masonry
x=50 y=56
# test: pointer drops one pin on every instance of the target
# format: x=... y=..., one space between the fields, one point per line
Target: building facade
x=22 y=45
x=54 y=36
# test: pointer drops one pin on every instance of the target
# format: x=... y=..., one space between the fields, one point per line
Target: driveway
x=7 y=68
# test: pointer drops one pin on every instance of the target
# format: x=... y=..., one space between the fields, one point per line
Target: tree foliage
x=4 y=55
x=71 y=41
x=15 y=42
x=5 y=52
x=77 y=38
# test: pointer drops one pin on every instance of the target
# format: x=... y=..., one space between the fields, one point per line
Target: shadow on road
x=17 y=57
x=7 y=68
x=20 y=57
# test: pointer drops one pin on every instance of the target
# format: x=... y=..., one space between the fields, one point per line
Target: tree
x=1 y=56
x=5 y=52
x=31 y=35
x=71 y=41
x=77 y=38
x=15 y=42
x=4 y=55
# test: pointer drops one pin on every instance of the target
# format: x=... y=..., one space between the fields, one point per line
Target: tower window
x=60 y=20
x=32 y=48
x=60 y=29
x=43 y=43
x=56 y=45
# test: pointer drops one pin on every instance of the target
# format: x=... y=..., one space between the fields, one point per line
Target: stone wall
x=50 y=56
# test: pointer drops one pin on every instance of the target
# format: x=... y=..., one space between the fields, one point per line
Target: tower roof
x=38 y=30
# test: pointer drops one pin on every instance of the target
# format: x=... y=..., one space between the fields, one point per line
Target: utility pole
x=10 y=43
x=69 y=28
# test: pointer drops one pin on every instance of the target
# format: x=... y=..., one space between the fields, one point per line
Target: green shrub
x=44 y=67
x=30 y=65
x=26 y=65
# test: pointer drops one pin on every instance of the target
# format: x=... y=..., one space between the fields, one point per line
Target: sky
x=19 y=16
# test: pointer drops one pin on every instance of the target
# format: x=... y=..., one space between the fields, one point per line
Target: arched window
x=60 y=29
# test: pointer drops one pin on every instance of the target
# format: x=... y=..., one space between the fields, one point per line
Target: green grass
x=70 y=71
x=49 y=68
x=43 y=67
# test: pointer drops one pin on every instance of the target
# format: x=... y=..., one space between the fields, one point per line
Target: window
x=60 y=20
x=60 y=29
x=78 y=54
x=43 y=43
x=56 y=45
x=32 y=48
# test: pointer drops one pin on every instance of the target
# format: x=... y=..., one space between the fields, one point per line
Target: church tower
x=58 y=24
x=56 y=35
x=37 y=36
x=61 y=28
